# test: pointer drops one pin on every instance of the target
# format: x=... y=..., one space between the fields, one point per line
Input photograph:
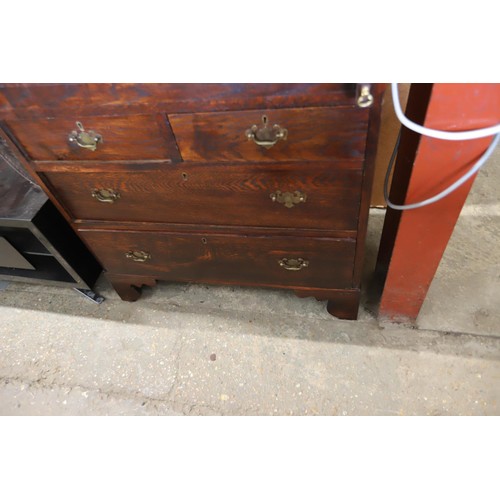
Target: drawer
x=222 y=258
x=316 y=196
x=311 y=134
x=121 y=138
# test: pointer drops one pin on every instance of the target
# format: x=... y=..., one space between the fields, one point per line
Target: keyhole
x=184 y=176
x=204 y=241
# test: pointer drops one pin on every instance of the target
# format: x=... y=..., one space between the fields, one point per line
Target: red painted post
x=414 y=241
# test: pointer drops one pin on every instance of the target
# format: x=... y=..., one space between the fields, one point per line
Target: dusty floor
x=199 y=350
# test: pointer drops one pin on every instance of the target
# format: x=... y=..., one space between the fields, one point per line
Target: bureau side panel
x=367 y=182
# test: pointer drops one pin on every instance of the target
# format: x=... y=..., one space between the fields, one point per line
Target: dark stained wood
x=366 y=189
x=124 y=138
x=129 y=288
x=216 y=223
x=44 y=100
x=418 y=101
x=121 y=166
x=313 y=134
x=343 y=304
x=299 y=232
x=225 y=258
x=202 y=194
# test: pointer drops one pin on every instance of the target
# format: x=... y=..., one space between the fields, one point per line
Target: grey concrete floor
x=200 y=350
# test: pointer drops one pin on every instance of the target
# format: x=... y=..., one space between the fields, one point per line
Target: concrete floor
x=199 y=350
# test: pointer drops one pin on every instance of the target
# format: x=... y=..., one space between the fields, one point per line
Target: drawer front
x=315 y=196
x=311 y=134
x=217 y=258
x=118 y=138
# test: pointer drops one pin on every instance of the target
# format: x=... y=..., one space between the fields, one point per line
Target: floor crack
x=135 y=396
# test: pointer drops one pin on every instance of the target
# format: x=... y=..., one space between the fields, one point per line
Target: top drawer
x=137 y=137
x=272 y=134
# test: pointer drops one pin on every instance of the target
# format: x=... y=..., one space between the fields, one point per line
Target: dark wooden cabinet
x=36 y=244
x=251 y=184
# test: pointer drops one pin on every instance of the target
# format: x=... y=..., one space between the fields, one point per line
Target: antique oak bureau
x=242 y=184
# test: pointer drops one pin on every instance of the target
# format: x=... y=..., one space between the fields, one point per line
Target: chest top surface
x=36 y=100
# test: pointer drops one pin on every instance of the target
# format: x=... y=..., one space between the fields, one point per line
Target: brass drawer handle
x=87 y=139
x=289 y=199
x=139 y=256
x=365 y=98
x=293 y=264
x=266 y=136
x=105 y=195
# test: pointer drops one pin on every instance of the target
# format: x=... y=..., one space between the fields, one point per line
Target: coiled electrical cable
x=437 y=134
x=446 y=191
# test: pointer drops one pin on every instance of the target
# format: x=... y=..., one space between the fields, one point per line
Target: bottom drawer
x=223 y=258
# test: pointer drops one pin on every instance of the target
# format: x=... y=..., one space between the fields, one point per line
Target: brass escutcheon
x=266 y=136
x=87 y=139
x=289 y=199
x=138 y=256
x=365 y=98
x=293 y=264
x=105 y=195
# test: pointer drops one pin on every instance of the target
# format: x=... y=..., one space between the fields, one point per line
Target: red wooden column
x=414 y=241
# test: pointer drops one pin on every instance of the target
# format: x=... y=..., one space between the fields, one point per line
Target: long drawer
x=224 y=258
x=315 y=195
x=115 y=138
x=272 y=134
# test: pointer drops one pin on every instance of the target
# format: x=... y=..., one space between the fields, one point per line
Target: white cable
x=439 y=134
x=446 y=191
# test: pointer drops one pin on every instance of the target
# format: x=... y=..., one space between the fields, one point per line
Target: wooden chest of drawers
x=252 y=184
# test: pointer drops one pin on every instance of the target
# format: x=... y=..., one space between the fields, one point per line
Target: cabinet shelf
x=36 y=235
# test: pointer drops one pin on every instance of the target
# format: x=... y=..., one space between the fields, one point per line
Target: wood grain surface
x=124 y=138
x=226 y=258
x=195 y=192
x=237 y=195
x=313 y=134
x=33 y=100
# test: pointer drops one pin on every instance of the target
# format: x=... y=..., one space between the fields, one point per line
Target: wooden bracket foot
x=129 y=288
x=343 y=304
